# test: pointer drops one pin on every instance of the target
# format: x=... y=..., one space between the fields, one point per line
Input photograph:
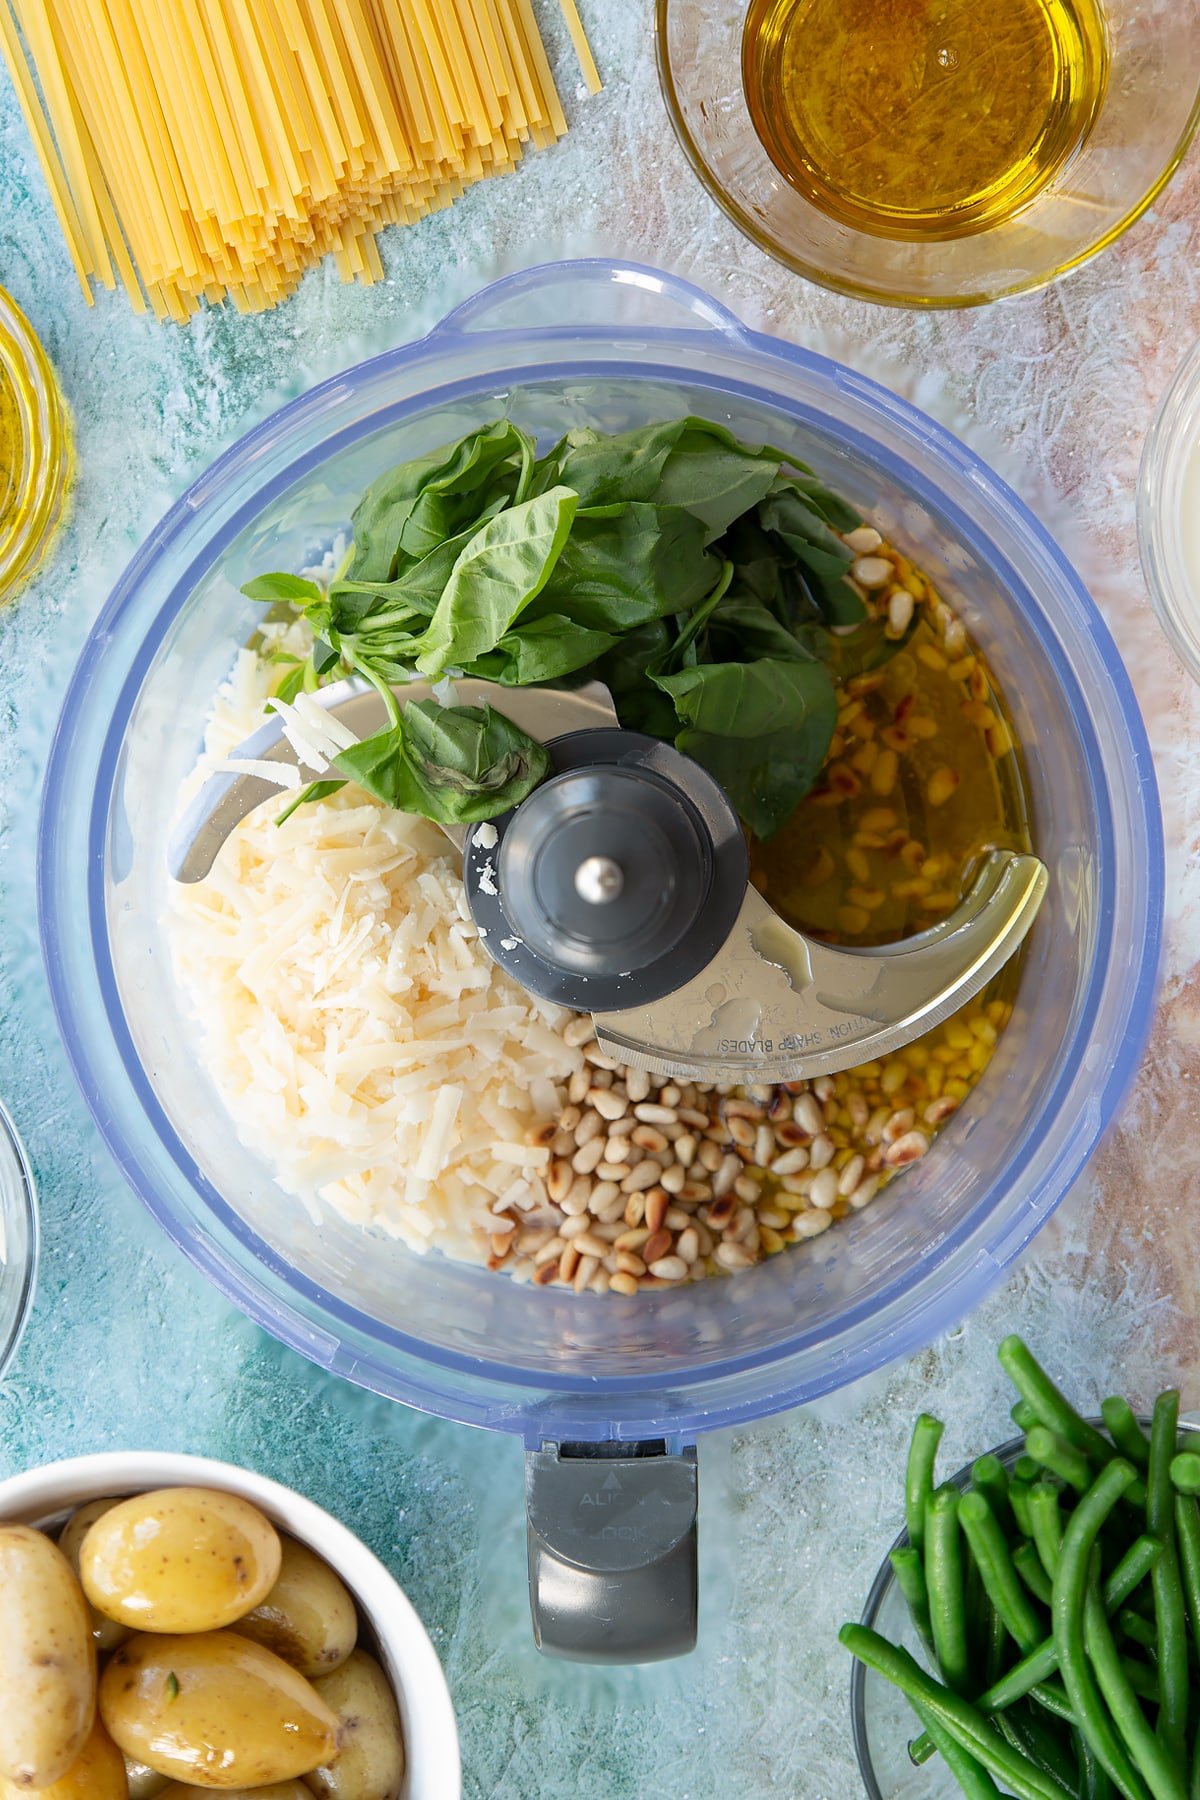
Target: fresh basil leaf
x=503 y=568
x=714 y=477
x=540 y=650
x=625 y=564
x=453 y=764
x=623 y=670
x=761 y=728
x=316 y=790
x=411 y=509
x=603 y=468
x=742 y=628
x=292 y=590
x=292 y=683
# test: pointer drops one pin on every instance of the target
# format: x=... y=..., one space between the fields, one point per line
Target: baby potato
x=47 y=1661
x=308 y=1617
x=215 y=1710
x=278 y=1790
x=370 y=1764
x=144 y=1783
x=98 y=1773
x=107 y=1633
x=179 y=1560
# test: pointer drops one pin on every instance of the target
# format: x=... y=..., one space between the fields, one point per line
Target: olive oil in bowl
x=922 y=119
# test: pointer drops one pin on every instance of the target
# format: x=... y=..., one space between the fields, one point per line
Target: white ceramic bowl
x=434 y=1772
x=1169 y=511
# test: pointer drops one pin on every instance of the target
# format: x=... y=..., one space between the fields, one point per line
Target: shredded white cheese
x=364 y=1043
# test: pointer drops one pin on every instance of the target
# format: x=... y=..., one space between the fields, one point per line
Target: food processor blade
x=620 y=888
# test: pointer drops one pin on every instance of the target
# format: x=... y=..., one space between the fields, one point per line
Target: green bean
x=990 y=1478
x=1187 y=1537
x=1052 y=1695
x=1018 y=1499
x=1142 y=1680
x=1185 y=1472
x=1131 y=1571
x=1165 y=1580
x=1024 y=1417
x=1052 y=1452
x=1194 y=1788
x=970 y=1775
x=1032 y=1674
x=1000 y=1580
x=1154 y=1758
x=1045 y=1517
x=1121 y=1424
x=1026 y=1469
x=964 y=1721
x=944 y=1579
x=1094 y=1781
x=1051 y=1405
x=1028 y=1565
x=909 y=1571
x=1142 y=1631
x=1042 y=1745
x=997 y=1647
x=918 y=1478
x=1070 y=1596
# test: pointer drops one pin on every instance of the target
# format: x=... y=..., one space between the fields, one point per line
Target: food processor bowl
x=612 y=346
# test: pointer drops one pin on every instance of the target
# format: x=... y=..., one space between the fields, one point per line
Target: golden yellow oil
x=922 y=118
x=11 y=448
x=923 y=776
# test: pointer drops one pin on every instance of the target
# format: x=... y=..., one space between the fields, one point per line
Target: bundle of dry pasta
x=219 y=147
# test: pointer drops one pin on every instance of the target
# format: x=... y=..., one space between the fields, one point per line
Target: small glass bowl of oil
x=35 y=449
x=1169 y=512
x=932 y=152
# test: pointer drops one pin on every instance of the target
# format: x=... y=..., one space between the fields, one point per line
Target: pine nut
x=631 y=1240
x=865 y=1192
x=871 y=571
x=584 y=1161
x=941 y=784
x=637 y=1083
x=630 y=1264
x=599 y=1058
x=807 y=1114
x=741 y=1131
x=643 y=1175
x=581 y=1192
x=656 y=1245
x=810 y=1224
x=907 y=1149
x=646 y=1137
x=850 y=1176
x=862 y=540
x=578 y=1032
x=635 y=1209
x=558 y=1181
x=550 y=1253
x=607 y=1102
x=726 y=1174
x=899 y=612
x=688 y=1245
x=611 y=1171
x=655 y=1115
x=674 y=1179
x=618 y=1149
x=545 y=1273
x=591 y=1125
x=790 y=1163
x=585 y=1274
x=622 y=1284
x=669 y=1268
x=734 y=1256
x=824 y=1190
x=821 y=1151
x=656 y=1208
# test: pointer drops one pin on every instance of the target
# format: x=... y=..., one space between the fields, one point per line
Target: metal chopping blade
x=619 y=887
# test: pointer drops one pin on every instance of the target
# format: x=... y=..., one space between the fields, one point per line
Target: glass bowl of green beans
x=1007 y=1518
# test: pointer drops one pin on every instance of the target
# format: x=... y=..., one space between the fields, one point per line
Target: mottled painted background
x=128 y=1347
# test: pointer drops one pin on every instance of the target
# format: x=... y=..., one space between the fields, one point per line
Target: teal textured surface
x=127 y=1347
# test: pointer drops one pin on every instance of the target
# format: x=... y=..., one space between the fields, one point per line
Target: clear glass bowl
x=1149 y=112
x=610 y=345
x=1169 y=512
x=881 y=1719
x=33 y=494
x=18 y=1238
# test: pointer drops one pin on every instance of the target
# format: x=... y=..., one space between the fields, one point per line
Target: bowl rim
x=437 y=1384
x=430 y=1727
x=16 y=1166
x=1164 y=461
x=770 y=245
x=45 y=458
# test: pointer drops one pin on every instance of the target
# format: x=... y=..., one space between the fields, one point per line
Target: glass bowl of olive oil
x=932 y=152
x=35 y=449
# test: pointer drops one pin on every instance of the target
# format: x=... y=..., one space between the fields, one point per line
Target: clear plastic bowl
x=1145 y=122
x=1169 y=511
x=881 y=1719
x=18 y=1238
x=609 y=345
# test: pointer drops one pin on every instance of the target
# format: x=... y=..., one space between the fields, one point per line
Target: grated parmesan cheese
x=363 y=1042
